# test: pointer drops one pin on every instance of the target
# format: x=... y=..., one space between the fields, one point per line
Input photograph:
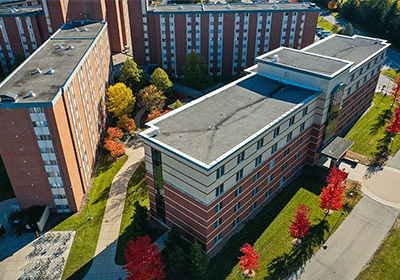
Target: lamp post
x=88 y=205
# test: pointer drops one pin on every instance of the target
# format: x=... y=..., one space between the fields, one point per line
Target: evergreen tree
x=140 y=223
x=131 y=75
x=195 y=71
x=197 y=261
x=176 y=264
x=173 y=239
x=160 y=79
x=348 y=30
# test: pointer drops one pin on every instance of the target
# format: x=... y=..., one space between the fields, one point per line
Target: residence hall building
x=228 y=36
x=52 y=116
x=218 y=160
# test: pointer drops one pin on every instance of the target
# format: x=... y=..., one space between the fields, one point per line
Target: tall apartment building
x=25 y=25
x=22 y=31
x=228 y=36
x=52 y=116
x=218 y=160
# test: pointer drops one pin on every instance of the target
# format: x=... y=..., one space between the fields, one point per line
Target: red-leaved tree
x=393 y=126
x=300 y=226
x=337 y=177
x=249 y=262
x=115 y=148
x=143 y=260
x=395 y=94
x=114 y=133
x=155 y=114
x=331 y=198
x=126 y=124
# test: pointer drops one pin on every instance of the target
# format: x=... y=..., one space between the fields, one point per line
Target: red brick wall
x=136 y=26
x=114 y=25
x=310 y=26
x=276 y=29
x=228 y=43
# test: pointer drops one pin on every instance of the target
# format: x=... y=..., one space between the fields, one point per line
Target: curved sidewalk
x=104 y=266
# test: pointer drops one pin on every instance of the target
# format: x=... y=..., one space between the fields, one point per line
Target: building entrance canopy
x=336 y=148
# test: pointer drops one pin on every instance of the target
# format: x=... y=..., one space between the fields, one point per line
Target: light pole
x=88 y=205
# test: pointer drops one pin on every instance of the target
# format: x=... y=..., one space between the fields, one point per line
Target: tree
x=173 y=239
x=114 y=133
x=120 y=100
x=176 y=264
x=131 y=75
x=160 y=79
x=115 y=148
x=143 y=260
x=249 y=262
x=348 y=30
x=300 y=226
x=140 y=222
x=155 y=114
x=331 y=198
x=177 y=104
x=195 y=71
x=126 y=124
x=395 y=94
x=197 y=261
x=337 y=177
x=393 y=126
x=152 y=98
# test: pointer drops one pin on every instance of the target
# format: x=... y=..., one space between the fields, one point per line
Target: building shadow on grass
x=381 y=121
x=221 y=265
x=286 y=264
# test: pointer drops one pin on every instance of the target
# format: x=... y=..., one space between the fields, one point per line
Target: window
x=236 y=207
x=299 y=141
x=219 y=190
x=276 y=131
x=361 y=71
x=272 y=164
x=358 y=84
x=218 y=207
x=253 y=206
x=254 y=192
x=284 y=166
x=268 y=193
x=297 y=155
x=260 y=143
x=43 y=137
x=238 y=191
x=291 y=120
x=235 y=222
x=351 y=78
x=283 y=180
x=239 y=175
x=289 y=137
x=302 y=126
x=218 y=238
x=295 y=169
x=287 y=151
x=218 y=223
x=270 y=178
x=59 y=196
x=305 y=111
x=258 y=160
x=274 y=148
x=240 y=157
x=220 y=171
x=256 y=177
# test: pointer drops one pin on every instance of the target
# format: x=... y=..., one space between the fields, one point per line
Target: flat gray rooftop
x=306 y=61
x=225 y=119
x=337 y=148
x=62 y=61
x=209 y=8
x=20 y=11
x=355 y=48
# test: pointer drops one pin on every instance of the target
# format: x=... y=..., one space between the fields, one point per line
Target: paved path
x=104 y=266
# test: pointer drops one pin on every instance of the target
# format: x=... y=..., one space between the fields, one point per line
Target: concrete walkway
x=356 y=240
x=104 y=266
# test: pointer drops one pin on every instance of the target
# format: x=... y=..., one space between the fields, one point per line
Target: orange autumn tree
x=114 y=133
x=126 y=124
x=112 y=143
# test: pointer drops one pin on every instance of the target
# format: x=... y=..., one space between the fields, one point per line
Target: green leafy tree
x=177 y=104
x=161 y=80
x=120 y=100
x=197 y=261
x=140 y=222
x=195 y=71
x=152 y=98
x=348 y=30
x=131 y=75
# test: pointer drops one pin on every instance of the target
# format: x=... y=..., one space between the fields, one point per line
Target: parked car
x=325 y=33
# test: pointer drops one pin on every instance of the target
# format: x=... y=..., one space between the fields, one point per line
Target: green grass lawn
x=371 y=127
x=87 y=232
x=390 y=73
x=386 y=262
x=137 y=191
x=268 y=232
x=6 y=190
x=326 y=25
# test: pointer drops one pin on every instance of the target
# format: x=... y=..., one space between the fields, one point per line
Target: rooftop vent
x=59 y=47
x=31 y=94
x=202 y=7
x=37 y=71
x=180 y=8
x=376 y=41
x=84 y=29
x=275 y=6
x=304 y=4
x=228 y=7
x=70 y=47
x=275 y=59
x=14 y=10
x=50 y=71
x=9 y=97
x=76 y=29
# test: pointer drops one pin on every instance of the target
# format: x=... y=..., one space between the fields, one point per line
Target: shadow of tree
x=381 y=121
x=291 y=263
